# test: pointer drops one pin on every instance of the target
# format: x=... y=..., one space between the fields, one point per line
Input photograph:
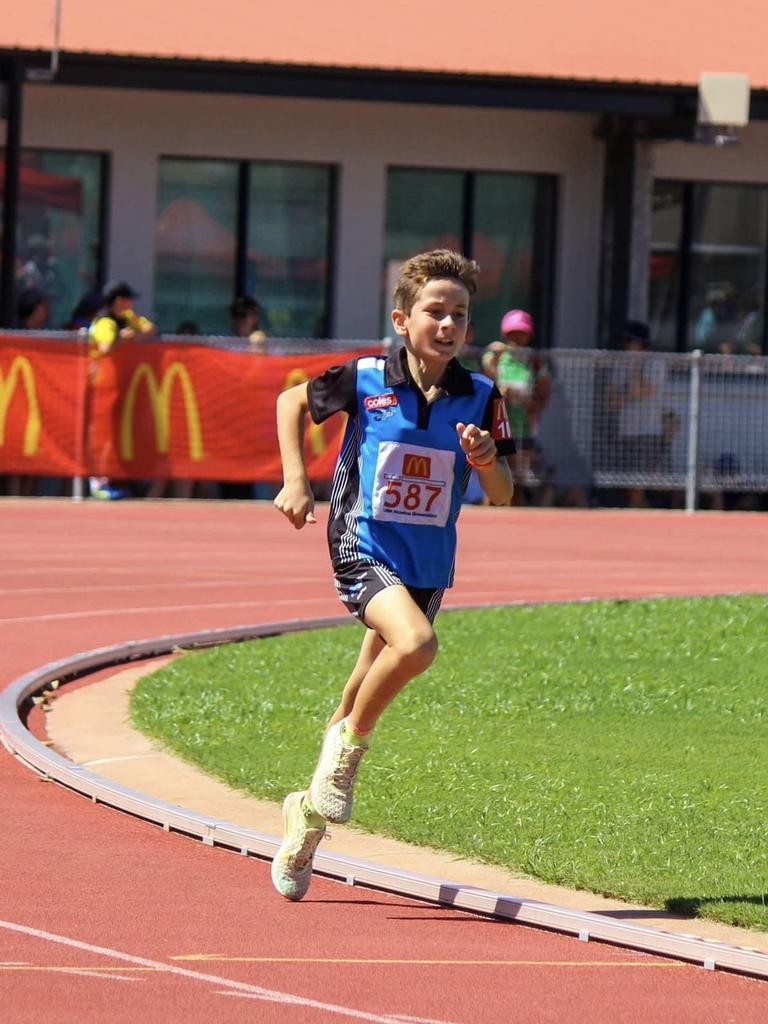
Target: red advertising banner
x=180 y=411
x=42 y=405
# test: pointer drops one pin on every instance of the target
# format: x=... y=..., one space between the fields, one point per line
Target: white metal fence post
x=692 y=461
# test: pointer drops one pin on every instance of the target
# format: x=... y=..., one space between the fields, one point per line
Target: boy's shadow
x=689 y=906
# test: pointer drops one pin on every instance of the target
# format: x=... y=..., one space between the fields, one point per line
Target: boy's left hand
x=477 y=444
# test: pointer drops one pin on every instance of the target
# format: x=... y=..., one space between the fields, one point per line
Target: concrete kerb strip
x=22 y=744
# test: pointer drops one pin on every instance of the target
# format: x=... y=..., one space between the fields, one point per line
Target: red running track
x=107 y=919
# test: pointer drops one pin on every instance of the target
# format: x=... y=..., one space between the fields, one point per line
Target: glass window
x=664 y=275
x=708 y=266
x=503 y=220
x=424 y=211
x=503 y=243
x=196 y=243
x=58 y=241
x=289 y=224
x=727 y=268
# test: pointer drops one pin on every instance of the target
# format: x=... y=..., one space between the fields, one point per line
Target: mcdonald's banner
x=170 y=411
x=42 y=405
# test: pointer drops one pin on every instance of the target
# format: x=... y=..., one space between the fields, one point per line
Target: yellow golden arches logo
x=160 y=400
x=315 y=431
x=21 y=367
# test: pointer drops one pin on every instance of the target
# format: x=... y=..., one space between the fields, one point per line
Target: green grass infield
x=617 y=747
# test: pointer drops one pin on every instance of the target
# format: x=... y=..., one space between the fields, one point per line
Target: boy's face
x=436 y=327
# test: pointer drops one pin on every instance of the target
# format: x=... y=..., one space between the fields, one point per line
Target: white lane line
x=238 y=987
x=150 y=585
x=396 y=1018
x=110 y=612
x=417 y=1020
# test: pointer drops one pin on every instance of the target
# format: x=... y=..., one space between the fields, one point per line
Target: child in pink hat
x=524 y=382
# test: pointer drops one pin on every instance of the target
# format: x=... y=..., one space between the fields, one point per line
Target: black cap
x=244 y=304
x=28 y=301
x=636 y=330
x=118 y=290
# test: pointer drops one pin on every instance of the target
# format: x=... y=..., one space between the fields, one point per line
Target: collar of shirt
x=456 y=380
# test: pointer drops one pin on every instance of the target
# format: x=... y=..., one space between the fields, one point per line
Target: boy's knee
x=418 y=647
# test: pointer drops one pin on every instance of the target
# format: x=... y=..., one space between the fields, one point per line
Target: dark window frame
x=103 y=206
x=242 y=210
x=685 y=254
x=545 y=218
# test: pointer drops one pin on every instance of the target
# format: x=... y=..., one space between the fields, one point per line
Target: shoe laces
x=346 y=769
x=306 y=851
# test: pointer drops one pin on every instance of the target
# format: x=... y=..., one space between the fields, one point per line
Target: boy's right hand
x=297 y=503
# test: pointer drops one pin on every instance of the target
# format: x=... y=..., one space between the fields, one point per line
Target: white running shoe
x=292 y=865
x=331 y=788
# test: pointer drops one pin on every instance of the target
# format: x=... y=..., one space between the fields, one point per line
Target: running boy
x=418 y=423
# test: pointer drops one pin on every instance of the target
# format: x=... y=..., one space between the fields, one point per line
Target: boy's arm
x=295 y=499
x=494 y=473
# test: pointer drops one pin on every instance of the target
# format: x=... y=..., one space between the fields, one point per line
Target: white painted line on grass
x=125 y=757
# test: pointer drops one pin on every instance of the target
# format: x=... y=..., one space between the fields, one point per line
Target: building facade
x=586 y=203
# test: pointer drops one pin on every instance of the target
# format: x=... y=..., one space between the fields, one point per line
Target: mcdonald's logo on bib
x=419 y=466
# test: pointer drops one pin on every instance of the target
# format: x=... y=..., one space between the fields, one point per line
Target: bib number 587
x=412 y=496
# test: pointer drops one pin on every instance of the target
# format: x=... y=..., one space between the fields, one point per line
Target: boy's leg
x=369 y=650
x=410 y=646
x=407 y=648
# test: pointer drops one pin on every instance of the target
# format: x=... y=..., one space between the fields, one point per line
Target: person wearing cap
x=522 y=377
x=117 y=319
x=246 y=315
x=32 y=310
x=636 y=396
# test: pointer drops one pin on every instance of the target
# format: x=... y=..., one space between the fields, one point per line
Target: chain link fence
x=690 y=425
x=618 y=428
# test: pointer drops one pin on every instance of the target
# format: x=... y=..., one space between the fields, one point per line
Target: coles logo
x=374 y=402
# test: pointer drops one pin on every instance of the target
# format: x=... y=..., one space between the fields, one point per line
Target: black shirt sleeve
x=333 y=391
x=496 y=421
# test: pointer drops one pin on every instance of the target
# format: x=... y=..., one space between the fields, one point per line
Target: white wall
x=747 y=161
x=136 y=128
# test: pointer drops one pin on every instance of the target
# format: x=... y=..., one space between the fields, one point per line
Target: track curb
x=214 y=832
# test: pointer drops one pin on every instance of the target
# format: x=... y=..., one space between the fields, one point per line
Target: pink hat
x=517 y=320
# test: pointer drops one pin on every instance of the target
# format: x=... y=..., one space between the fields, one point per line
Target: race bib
x=413 y=484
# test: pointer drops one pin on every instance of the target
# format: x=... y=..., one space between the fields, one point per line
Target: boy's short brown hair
x=428 y=266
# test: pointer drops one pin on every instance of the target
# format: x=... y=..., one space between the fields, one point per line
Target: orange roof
x=660 y=41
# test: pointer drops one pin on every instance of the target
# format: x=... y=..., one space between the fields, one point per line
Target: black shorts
x=357 y=582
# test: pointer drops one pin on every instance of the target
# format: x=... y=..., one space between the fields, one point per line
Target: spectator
x=708 y=325
x=83 y=313
x=636 y=395
x=116 y=321
x=247 y=316
x=188 y=328
x=32 y=310
x=39 y=268
x=523 y=379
